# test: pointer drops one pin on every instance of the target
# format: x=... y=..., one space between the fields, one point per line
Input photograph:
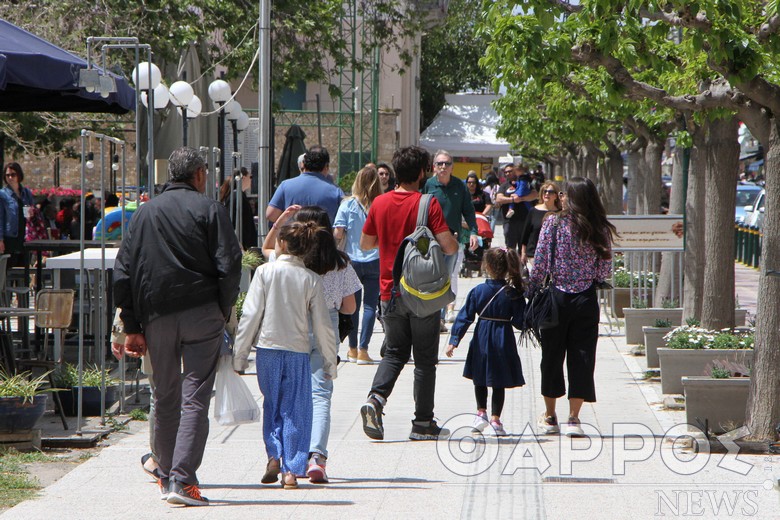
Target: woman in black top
x=480 y=199
x=549 y=200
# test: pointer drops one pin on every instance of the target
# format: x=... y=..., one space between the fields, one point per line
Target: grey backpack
x=420 y=275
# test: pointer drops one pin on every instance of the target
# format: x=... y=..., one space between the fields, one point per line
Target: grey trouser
x=190 y=339
x=406 y=333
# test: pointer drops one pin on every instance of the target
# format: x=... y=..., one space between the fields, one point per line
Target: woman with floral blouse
x=583 y=259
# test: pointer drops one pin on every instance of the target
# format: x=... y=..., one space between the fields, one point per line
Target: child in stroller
x=472 y=260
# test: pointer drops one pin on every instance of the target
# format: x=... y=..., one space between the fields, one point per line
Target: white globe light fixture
x=219 y=92
x=161 y=97
x=181 y=93
x=242 y=123
x=233 y=109
x=141 y=78
x=194 y=107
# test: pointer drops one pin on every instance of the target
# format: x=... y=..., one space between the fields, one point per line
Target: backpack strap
x=422 y=210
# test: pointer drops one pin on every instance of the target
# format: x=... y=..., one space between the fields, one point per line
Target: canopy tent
x=36 y=75
x=466 y=126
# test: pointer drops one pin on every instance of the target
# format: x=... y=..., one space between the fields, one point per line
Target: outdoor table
x=92 y=262
x=56 y=246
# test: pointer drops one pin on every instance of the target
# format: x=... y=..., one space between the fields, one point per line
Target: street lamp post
x=219 y=92
x=182 y=96
x=160 y=96
x=234 y=111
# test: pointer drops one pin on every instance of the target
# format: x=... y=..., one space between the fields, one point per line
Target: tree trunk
x=669 y=286
x=652 y=193
x=763 y=413
x=612 y=181
x=722 y=165
x=636 y=180
x=590 y=161
x=693 y=287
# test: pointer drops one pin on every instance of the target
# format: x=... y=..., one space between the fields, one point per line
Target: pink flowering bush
x=57 y=192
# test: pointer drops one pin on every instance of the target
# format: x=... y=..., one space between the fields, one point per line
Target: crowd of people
x=328 y=256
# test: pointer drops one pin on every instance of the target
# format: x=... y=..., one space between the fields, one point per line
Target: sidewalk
x=519 y=476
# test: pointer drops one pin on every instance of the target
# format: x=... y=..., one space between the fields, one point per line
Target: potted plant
x=690 y=350
x=654 y=338
x=718 y=399
x=22 y=401
x=66 y=379
x=250 y=260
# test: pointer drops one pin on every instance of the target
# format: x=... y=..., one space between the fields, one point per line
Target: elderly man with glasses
x=455 y=200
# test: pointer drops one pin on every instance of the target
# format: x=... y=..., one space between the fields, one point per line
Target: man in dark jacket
x=176 y=278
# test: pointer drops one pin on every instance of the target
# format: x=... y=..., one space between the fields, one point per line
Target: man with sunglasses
x=455 y=201
x=517 y=182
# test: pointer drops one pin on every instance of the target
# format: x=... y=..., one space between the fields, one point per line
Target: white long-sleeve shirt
x=282 y=296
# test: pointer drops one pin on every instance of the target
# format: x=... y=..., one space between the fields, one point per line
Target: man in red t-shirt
x=391 y=218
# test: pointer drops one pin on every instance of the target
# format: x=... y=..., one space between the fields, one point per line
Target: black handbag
x=345 y=325
x=541 y=312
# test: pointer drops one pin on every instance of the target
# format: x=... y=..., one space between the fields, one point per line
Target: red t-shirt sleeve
x=369 y=228
x=436 y=222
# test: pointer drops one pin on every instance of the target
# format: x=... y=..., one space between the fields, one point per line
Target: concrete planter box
x=638 y=318
x=676 y=363
x=722 y=402
x=621 y=297
x=654 y=339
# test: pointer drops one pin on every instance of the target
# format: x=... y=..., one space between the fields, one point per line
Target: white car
x=754 y=215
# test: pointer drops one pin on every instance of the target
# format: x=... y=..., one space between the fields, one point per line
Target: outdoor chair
x=54 y=310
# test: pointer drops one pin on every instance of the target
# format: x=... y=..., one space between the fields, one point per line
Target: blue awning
x=36 y=75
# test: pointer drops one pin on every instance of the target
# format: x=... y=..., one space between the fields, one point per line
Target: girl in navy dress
x=492 y=360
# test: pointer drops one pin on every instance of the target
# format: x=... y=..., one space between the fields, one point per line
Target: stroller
x=472 y=260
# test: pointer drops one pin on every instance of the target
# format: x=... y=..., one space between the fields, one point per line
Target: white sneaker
x=548 y=425
x=572 y=428
x=498 y=428
x=451 y=315
x=480 y=422
x=510 y=213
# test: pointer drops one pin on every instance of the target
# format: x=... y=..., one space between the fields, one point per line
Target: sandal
x=289 y=481
x=272 y=470
x=154 y=473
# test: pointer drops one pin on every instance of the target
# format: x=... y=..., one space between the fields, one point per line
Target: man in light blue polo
x=312 y=187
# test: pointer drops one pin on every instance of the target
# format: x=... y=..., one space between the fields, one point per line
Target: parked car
x=754 y=215
x=747 y=194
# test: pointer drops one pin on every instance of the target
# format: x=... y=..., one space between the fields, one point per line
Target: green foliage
x=252 y=259
x=692 y=322
x=16 y=485
x=22 y=385
x=346 y=181
x=717 y=372
x=691 y=337
x=638 y=303
x=729 y=340
x=240 y=304
x=663 y=323
x=139 y=414
x=449 y=57
x=670 y=303
x=67 y=376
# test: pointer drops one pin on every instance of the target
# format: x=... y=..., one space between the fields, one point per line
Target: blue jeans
x=368 y=273
x=321 y=393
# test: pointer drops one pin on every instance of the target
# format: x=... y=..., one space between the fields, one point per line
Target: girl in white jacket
x=282 y=297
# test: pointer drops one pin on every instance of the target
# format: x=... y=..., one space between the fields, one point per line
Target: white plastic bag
x=234 y=402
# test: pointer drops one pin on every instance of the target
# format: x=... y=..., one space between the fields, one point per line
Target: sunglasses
x=443 y=163
x=549 y=192
x=471 y=182
x=10 y=174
